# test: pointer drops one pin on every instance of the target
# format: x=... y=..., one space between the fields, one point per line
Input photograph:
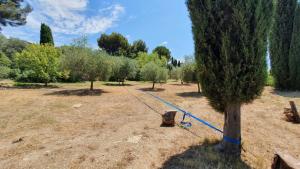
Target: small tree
x=190 y=74
x=163 y=51
x=13 y=13
x=114 y=44
x=280 y=42
x=46 y=35
x=38 y=63
x=124 y=68
x=154 y=73
x=137 y=47
x=5 y=64
x=294 y=56
x=230 y=48
x=97 y=67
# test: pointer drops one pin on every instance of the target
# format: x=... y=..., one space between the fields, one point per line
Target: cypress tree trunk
x=232 y=129
x=92 y=85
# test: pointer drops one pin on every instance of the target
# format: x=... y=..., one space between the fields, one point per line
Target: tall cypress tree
x=280 y=42
x=230 y=48
x=294 y=57
x=46 y=35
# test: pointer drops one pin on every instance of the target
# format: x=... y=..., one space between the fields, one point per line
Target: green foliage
x=38 y=63
x=270 y=80
x=154 y=73
x=137 y=47
x=176 y=73
x=163 y=51
x=46 y=35
x=294 y=55
x=11 y=46
x=114 y=44
x=189 y=73
x=123 y=69
x=73 y=62
x=144 y=58
x=280 y=42
x=13 y=12
x=4 y=66
x=230 y=48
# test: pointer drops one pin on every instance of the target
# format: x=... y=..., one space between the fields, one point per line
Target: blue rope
x=228 y=139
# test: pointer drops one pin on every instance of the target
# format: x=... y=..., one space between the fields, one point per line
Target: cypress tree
x=230 y=48
x=280 y=42
x=46 y=35
x=294 y=57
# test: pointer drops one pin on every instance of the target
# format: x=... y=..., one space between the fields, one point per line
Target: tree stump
x=292 y=114
x=285 y=161
x=168 y=119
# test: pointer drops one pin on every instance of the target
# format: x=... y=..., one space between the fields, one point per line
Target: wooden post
x=168 y=119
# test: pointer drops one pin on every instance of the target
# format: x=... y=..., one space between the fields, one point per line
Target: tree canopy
x=280 y=42
x=154 y=73
x=46 y=35
x=38 y=63
x=162 y=51
x=230 y=49
x=13 y=12
x=137 y=47
x=114 y=44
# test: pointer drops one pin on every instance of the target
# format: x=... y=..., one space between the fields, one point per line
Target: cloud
x=72 y=17
x=165 y=43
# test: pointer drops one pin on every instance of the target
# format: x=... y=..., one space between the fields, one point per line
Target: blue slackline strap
x=228 y=139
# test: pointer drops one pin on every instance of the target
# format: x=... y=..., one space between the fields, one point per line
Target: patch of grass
x=270 y=81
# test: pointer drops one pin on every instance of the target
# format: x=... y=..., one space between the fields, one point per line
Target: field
x=65 y=126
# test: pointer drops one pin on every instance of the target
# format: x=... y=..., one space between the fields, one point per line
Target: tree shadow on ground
x=117 y=84
x=190 y=94
x=152 y=90
x=204 y=156
x=185 y=84
x=288 y=94
x=28 y=86
x=78 y=92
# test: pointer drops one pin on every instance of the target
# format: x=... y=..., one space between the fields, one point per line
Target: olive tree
x=38 y=63
x=154 y=73
x=123 y=68
x=230 y=48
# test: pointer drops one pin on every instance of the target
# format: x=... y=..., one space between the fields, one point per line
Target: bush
x=38 y=63
x=4 y=66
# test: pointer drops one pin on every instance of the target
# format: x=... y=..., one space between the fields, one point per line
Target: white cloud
x=165 y=43
x=70 y=17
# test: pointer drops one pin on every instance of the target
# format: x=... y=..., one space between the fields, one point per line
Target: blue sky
x=157 y=22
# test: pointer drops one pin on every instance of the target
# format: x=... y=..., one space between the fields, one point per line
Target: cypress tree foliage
x=230 y=39
x=294 y=57
x=280 y=42
x=46 y=35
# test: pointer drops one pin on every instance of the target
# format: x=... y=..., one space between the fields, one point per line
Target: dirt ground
x=119 y=127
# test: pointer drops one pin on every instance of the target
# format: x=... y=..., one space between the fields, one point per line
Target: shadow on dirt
x=179 y=84
x=28 y=86
x=78 y=92
x=152 y=90
x=203 y=156
x=190 y=94
x=288 y=94
x=117 y=84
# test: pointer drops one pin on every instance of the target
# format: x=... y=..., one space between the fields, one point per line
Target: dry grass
x=54 y=133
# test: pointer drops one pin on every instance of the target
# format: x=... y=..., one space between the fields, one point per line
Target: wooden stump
x=292 y=114
x=168 y=119
x=285 y=161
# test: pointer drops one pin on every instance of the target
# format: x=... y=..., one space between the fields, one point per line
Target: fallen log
x=285 y=161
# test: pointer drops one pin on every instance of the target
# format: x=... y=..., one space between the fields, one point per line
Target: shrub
x=154 y=73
